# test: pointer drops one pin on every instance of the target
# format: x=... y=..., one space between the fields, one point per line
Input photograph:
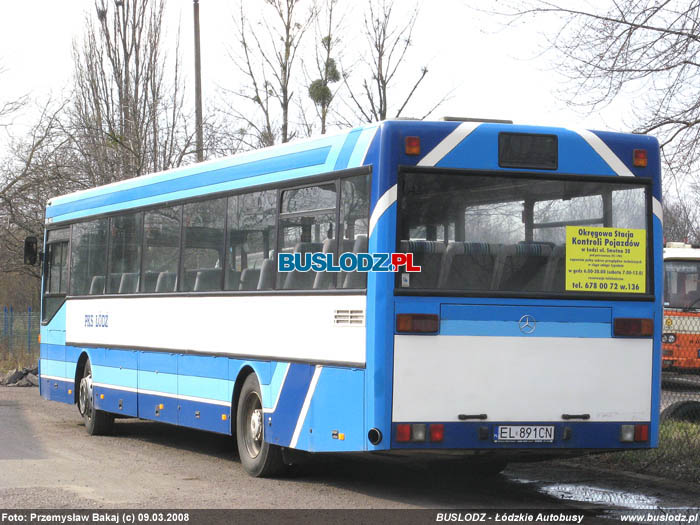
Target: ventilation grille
x=349 y=318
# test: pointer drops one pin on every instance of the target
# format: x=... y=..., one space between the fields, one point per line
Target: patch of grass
x=677 y=457
x=17 y=361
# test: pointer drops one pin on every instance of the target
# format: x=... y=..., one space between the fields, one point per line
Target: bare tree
x=10 y=107
x=125 y=118
x=223 y=134
x=681 y=222
x=128 y=117
x=36 y=168
x=649 y=47
x=267 y=58
x=388 y=44
x=22 y=199
x=328 y=31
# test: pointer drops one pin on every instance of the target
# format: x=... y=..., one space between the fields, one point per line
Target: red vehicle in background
x=681 y=333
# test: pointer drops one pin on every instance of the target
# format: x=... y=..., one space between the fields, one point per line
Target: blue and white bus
x=532 y=329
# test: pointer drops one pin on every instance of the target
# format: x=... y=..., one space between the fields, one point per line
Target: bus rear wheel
x=97 y=422
x=259 y=458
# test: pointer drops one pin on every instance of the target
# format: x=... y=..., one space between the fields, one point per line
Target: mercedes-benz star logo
x=527 y=324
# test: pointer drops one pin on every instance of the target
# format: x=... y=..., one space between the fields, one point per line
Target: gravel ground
x=48 y=461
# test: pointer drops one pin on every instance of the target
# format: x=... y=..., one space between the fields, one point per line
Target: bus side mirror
x=31 y=250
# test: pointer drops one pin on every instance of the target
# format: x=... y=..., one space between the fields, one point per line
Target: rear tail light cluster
x=633 y=327
x=420 y=432
x=634 y=433
x=417 y=323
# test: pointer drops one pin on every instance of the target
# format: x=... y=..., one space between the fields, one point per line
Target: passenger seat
x=428 y=255
x=97 y=285
x=297 y=280
x=468 y=266
x=357 y=279
x=208 y=280
x=129 y=283
x=166 y=282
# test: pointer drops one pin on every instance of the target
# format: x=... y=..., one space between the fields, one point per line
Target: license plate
x=525 y=433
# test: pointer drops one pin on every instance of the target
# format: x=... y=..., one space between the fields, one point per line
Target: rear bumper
x=567 y=436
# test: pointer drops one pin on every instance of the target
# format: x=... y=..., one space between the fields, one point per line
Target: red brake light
x=437 y=432
x=412 y=146
x=640 y=158
x=630 y=327
x=403 y=432
x=641 y=433
x=417 y=323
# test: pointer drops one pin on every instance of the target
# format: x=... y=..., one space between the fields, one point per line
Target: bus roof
x=593 y=153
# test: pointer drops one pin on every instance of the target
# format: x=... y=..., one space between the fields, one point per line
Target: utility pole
x=198 y=85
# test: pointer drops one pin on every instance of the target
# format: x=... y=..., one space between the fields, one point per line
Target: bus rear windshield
x=511 y=234
x=681 y=288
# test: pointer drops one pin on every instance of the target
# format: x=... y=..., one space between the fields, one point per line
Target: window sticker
x=605 y=260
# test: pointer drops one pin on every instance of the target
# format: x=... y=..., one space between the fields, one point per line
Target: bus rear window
x=523 y=234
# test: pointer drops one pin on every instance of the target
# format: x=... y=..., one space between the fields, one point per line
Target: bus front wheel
x=97 y=422
x=259 y=458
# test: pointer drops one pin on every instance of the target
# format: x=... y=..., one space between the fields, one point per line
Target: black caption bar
x=348 y=516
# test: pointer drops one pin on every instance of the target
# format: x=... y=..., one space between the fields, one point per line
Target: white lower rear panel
x=436 y=378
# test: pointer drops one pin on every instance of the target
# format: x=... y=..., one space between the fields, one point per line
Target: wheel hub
x=253 y=429
x=85 y=399
x=256 y=424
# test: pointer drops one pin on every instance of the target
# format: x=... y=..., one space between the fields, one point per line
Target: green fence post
x=29 y=330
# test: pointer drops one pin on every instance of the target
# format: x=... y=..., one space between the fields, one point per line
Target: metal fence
x=19 y=332
x=680 y=399
x=678 y=454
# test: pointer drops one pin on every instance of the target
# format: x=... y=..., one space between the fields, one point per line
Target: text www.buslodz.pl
x=347 y=262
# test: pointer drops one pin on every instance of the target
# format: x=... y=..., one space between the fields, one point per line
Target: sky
x=491 y=72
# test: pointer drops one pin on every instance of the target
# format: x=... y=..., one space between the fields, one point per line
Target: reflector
x=437 y=432
x=403 y=432
x=641 y=433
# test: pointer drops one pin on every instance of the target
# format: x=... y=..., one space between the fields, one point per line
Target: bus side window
x=125 y=243
x=161 y=248
x=203 y=245
x=250 y=240
x=56 y=272
x=354 y=224
x=88 y=257
x=307 y=226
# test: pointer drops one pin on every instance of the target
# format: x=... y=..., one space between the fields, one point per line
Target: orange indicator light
x=412 y=146
x=640 y=158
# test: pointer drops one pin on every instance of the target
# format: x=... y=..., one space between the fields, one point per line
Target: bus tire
x=258 y=457
x=97 y=422
x=688 y=410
